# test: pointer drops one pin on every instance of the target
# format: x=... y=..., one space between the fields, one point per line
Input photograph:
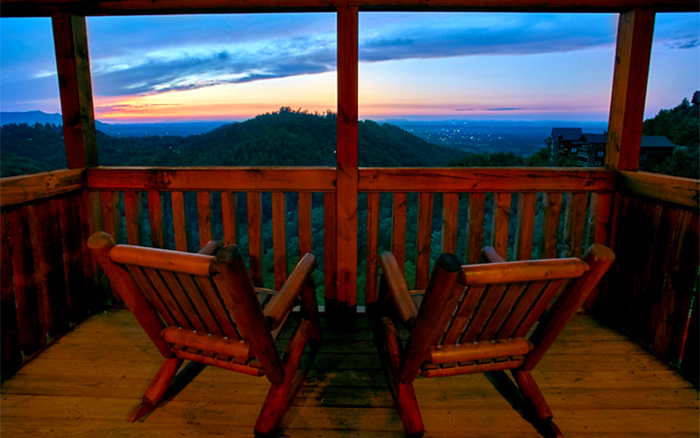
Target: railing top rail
x=251 y=179
x=37 y=8
x=16 y=190
x=486 y=179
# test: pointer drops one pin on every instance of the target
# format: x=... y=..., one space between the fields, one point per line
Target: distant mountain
x=34 y=117
x=30 y=118
x=283 y=138
x=117 y=130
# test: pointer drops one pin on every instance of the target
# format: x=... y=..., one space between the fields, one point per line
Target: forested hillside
x=282 y=138
x=682 y=126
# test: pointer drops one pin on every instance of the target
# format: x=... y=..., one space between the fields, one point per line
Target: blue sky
x=412 y=65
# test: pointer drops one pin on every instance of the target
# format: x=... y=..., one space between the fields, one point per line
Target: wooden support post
x=634 y=37
x=73 y=64
x=347 y=173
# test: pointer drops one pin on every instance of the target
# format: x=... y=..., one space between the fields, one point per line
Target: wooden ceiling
x=39 y=8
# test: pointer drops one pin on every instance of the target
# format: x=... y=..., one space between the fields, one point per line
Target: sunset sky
x=412 y=65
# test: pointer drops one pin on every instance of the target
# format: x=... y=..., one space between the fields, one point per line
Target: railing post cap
x=99 y=240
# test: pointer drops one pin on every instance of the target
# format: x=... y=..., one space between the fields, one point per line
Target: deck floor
x=598 y=384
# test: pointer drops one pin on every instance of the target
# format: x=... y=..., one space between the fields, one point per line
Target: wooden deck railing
x=569 y=208
x=46 y=276
x=655 y=281
x=416 y=213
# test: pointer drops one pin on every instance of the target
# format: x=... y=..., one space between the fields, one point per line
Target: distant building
x=654 y=148
x=565 y=140
x=591 y=149
x=591 y=153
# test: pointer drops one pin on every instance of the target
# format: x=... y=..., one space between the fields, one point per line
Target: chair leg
x=156 y=390
x=280 y=397
x=403 y=393
x=536 y=400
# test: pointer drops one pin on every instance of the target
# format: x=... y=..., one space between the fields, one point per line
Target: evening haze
x=415 y=66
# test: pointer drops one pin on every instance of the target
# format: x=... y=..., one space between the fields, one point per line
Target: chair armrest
x=398 y=290
x=287 y=297
x=490 y=254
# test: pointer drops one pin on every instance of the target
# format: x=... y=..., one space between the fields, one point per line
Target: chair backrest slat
x=199 y=304
x=463 y=313
x=183 y=300
x=217 y=306
x=521 y=309
x=543 y=302
x=163 y=290
x=144 y=283
x=504 y=310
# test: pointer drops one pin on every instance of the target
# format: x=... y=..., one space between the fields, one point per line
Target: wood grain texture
x=485 y=180
x=204 y=217
x=279 y=238
x=526 y=226
x=475 y=227
x=501 y=223
x=305 y=225
x=450 y=212
x=423 y=239
x=179 y=222
x=373 y=205
x=398 y=229
x=681 y=191
x=255 y=251
x=155 y=218
x=243 y=179
x=27 y=188
x=632 y=56
x=73 y=68
x=330 y=248
x=229 y=211
x=347 y=160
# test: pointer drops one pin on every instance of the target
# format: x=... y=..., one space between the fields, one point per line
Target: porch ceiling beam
x=38 y=8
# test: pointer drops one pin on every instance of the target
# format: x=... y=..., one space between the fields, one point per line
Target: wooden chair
x=205 y=309
x=482 y=318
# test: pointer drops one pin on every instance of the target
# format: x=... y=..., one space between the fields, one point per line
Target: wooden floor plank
x=86 y=383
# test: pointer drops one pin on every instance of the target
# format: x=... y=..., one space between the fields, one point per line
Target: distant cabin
x=654 y=148
x=565 y=141
x=591 y=153
x=589 y=148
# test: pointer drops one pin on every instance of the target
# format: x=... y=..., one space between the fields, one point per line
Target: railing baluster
x=425 y=232
x=501 y=222
x=229 y=209
x=575 y=223
x=450 y=214
x=526 y=225
x=398 y=230
x=155 y=216
x=551 y=204
x=372 y=247
x=204 y=217
x=255 y=251
x=179 y=223
x=330 y=248
x=475 y=227
x=111 y=217
x=132 y=213
x=279 y=238
x=305 y=225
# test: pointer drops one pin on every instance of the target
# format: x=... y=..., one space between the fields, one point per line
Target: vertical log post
x=347 y=173
x=634 y=37
x=73 y=64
